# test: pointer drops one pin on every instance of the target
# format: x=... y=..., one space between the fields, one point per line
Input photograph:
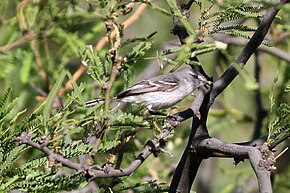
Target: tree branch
x=190 y=161
x=26 y=37
x=261 y=163
x=228 y=76
x=262 y=168
x=200 y=146
x=260 y=111
x=242 y=42
x=152 y=146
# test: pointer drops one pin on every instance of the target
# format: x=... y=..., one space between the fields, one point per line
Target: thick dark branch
x=229 y=75
x=203 y=147
x=254 y=143
x=200 y=146
x=185 y=172
x=258 y=156
x=262 y=168
x=207 y=147
x=193 y=110
x=179 y=29
x=260 y=111
x=188 y=166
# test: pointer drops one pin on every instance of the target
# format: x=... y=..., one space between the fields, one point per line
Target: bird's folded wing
x=160 y=84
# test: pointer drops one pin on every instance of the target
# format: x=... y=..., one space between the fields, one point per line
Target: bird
x=162 y=91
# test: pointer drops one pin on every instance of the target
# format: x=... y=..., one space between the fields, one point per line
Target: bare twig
x=280 y=154
x=99 y=46
x=117 y=64
x=27 y=37
x=25 y=138
x=154 y=146
x=126 y=24
x=242 y=42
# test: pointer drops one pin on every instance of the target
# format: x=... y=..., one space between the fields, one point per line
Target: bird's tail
x=94 y=102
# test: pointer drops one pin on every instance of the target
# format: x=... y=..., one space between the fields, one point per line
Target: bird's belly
x=155 y=100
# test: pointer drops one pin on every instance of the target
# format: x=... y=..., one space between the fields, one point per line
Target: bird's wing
x=160 y=83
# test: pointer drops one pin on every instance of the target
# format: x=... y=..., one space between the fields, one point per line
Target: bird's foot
x=172 y=121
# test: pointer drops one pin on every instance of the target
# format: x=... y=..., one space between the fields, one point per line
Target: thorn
x=167 y=152
x=280 y=153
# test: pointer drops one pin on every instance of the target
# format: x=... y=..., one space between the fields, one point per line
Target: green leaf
x=26 y=66
x=71 y=41
x=75 y=148
x=5 y=186
x=251 y=83
x=97 y=68
x=77 y=89
x=17 y=116
x=69 y=132
x=8 y=109
x=239 y=27
x=138 y=51
x=11 y=157
x=158 y=8
x=51 y=96
x=104 y=147
x=5 y=98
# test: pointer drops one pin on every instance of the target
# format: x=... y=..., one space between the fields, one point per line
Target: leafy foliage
x=71 y=120
x=45 y=47
x=279 y=124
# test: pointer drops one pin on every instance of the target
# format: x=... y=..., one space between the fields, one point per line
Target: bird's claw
x=171 y=121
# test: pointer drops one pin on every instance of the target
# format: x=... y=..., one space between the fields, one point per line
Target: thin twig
x=242 y=42
x=153 y=146
x=281 y=153
x=99 y=46
x=126 y=24
x=26 y=37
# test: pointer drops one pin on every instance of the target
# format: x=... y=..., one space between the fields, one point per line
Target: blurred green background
x=38 y=39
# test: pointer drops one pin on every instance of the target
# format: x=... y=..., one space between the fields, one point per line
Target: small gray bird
x=162 y=91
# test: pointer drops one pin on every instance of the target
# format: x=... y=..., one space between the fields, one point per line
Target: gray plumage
x=162 y=91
